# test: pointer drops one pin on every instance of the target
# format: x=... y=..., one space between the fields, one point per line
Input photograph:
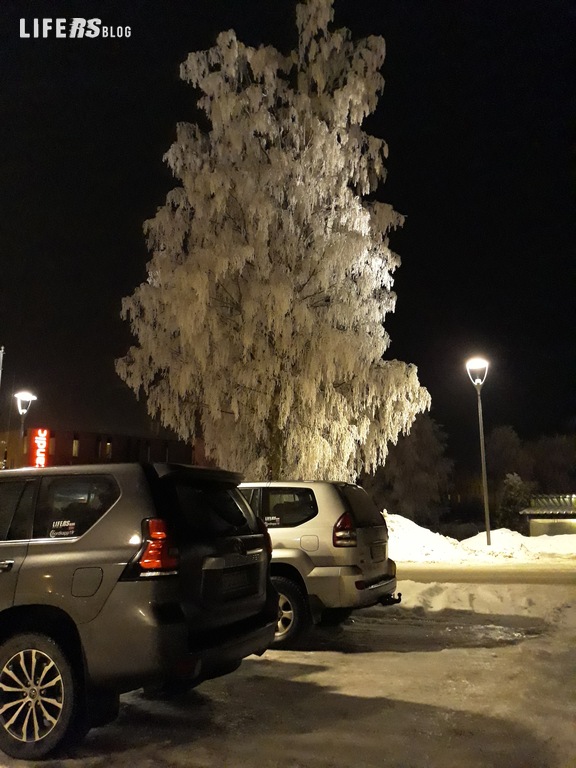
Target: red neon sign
x=39 y=447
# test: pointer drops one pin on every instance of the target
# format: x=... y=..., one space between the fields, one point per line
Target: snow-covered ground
x=410 y=542
x=475 y=675
x=411 y=545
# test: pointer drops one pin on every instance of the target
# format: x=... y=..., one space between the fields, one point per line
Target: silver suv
x=330 y=552
x=116 y=577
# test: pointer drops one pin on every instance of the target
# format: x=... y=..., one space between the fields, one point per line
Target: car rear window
x=207 y=510
x=363 y=509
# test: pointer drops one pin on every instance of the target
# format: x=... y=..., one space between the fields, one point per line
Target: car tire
x=40 y=697
x=333 y=617
x=294 y=617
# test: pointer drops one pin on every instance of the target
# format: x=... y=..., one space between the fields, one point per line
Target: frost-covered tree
x=261 y=324
x=515 y=496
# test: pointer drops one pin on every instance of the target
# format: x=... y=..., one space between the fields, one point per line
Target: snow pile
x=512 y=544
x=410 y=542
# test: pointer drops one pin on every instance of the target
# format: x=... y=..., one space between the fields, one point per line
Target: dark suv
x=120 y=576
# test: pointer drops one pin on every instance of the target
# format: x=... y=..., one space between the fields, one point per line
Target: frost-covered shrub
x=515 y=496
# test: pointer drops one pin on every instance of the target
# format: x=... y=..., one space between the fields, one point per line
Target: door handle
x=6 y=565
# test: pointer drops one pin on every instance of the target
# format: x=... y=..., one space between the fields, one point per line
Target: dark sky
x=479 y=112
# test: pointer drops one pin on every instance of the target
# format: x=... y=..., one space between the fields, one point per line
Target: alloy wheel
x=31 y=695
x=285 y=616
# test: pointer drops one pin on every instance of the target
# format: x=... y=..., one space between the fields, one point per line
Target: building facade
x=41 y=446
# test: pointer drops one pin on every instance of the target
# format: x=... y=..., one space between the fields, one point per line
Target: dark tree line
x=418 y=478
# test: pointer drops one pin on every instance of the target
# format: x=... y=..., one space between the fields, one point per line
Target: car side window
x=288 y=507
x=69 y=506
x=21 y=526
x=10 y=494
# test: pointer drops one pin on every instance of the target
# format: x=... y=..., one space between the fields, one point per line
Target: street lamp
x=477 y=369
x=24 y=400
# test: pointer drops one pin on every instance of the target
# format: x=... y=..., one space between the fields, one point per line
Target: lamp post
x=477 y=369
x=24 y=400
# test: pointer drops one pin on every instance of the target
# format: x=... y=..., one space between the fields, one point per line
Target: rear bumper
x=208 y=661
x=132 y=644
x=347 y=587
x=364 y=594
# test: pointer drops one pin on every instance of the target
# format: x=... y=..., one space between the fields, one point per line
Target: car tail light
x=157 y=555
x=263 y=529
x=344 y=531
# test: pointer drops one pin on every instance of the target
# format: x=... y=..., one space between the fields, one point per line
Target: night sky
x=479 y=112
